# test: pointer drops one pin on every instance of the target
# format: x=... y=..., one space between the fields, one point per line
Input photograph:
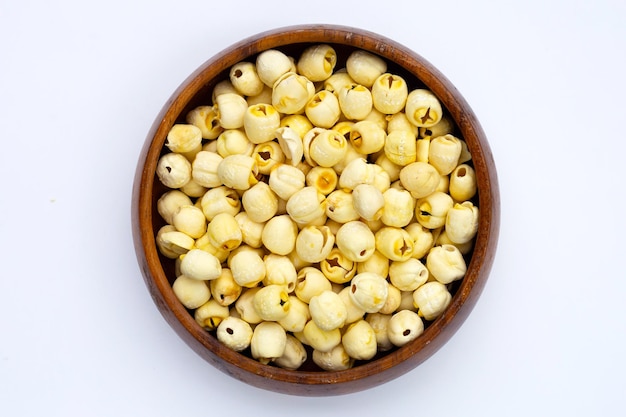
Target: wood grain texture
x=158 y=272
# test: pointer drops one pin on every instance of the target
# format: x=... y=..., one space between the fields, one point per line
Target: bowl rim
x=387 y=367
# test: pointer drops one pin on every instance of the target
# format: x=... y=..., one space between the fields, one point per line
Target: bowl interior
x=158 y=271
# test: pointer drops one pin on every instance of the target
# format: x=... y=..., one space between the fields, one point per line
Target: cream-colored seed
x=423 y=108
x=377 y=264
x=379 y=118
x=192 y=293
x=279 y=270
x=260 y=202
x=382 y=181
x=243 y=76
x=466 y=156
x=394 y=299
x=170 y=202
x=279 y=235
x=358 y=171
x=193 y=189
x=354 y=312
x=251 y=231
x=403 y=327
x=337 y=81
x=260 y=121
x=355 y=241
x=311 y=282
x=389 y=93
x=298 y=123
x=328 y=311
x=431 y=299
x=248 y=268
x=419 y=178
x=290 y=143
x=293 y=356
x=224 y=232
x=264 y=97
x=368 y=202
x=401 y=147
x=238 y=172
x=267 y=156
x=205 y=118
x=244 y=306
x=183 y=138
x=369 y=291
x=204 y=243
x=210 y=314
x=324 y=147
x=462 y=222
x=464 y=248
x=463 y=184
x=322 y=340
x=408 y=275
x=423 y=148
x=268 y=341
x=235 y=333
x=233 y=142
x=285 y=180
x=204 y=169
x=367 y=137
x=423 y=239
x=231 y=109
x=314 y=243
x=222 y=87
x=398 y=209
x=172 y=243
x=446 y=263
x=444 y=153
x=224 y=289
x=271 y=64
x=365 y=67
x=351 y=153
x=220 y=200
x=191 y=155
x=173 y=170
x=190 y=220
x=306 y=205
x=374 y=225
x=200 y=265
x=399 y=121
x=359 y=341
x=324 y=179
x=337 y=267
x=334 y=360
x=394 y=243
x=297 y=316
x=444 y=184
x=340 y=206
x=432 y=210
x=379 y=323
x=271 y=302
x=323 y=109
x=317 y=62
x=291 y=92
x=355 y=101
x=406 y=301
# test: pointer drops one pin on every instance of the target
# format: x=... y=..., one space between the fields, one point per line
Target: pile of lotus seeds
x=315 y=211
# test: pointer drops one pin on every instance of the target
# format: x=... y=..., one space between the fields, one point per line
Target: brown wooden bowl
x=158 y=272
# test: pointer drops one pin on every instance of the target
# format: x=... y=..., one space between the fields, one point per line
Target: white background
x=80 y=85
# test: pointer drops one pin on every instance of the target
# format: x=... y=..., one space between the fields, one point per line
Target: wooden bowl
x=158 y=272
